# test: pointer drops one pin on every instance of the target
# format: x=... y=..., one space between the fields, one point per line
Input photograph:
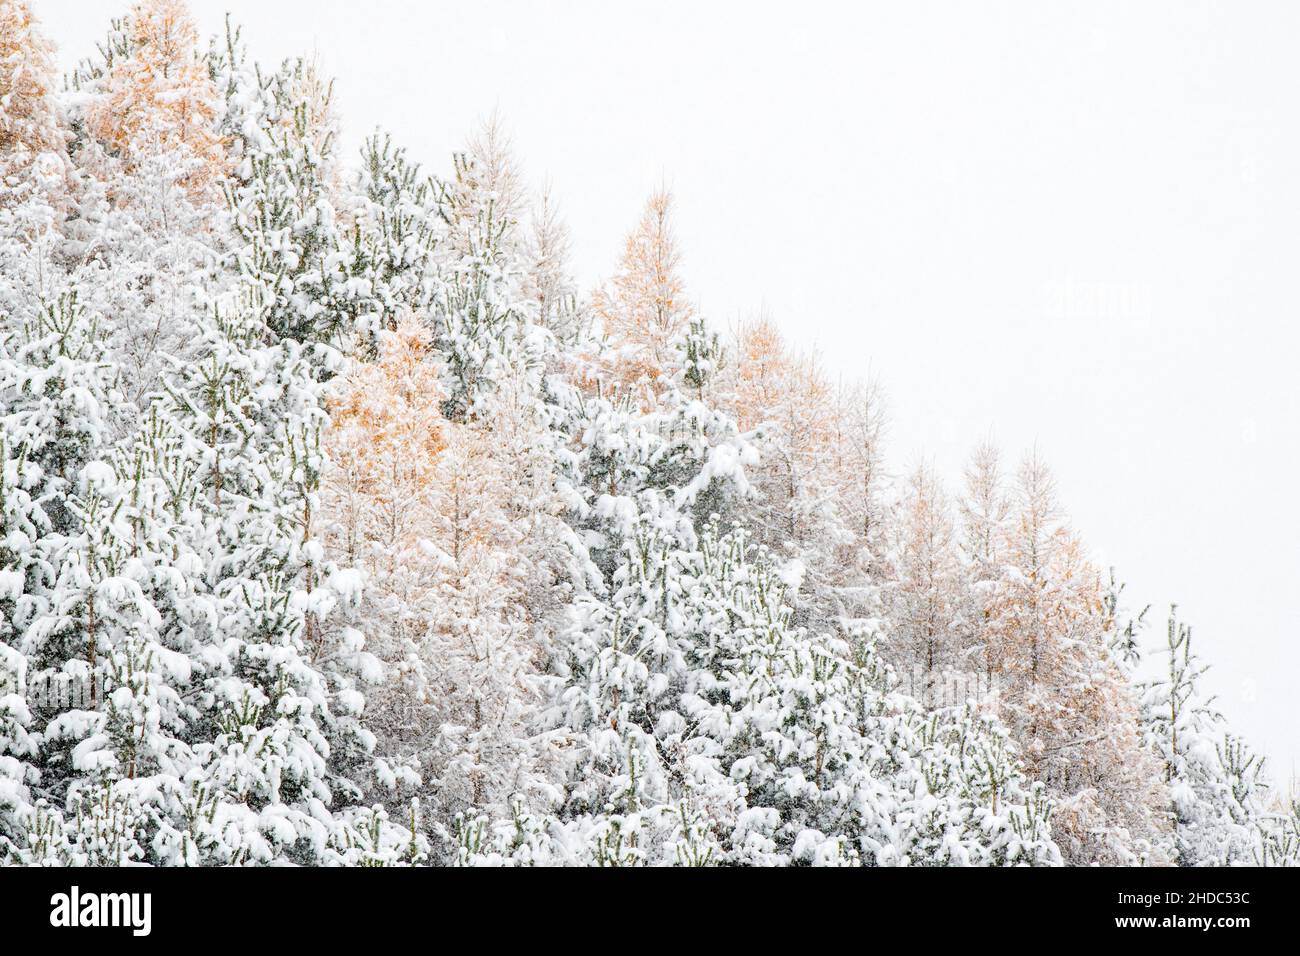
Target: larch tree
x=157 y=95
x=985 y=512
x=36 y=175
x=30 y=125
x=149 y=224
x=860 y=474
x=428 y=509
x=386 y=432
x=786 y=401
x=924 y=598
x=485 y=657
x=643 y=308
x=548 y=246
x=493 y=153
x=1068 y=703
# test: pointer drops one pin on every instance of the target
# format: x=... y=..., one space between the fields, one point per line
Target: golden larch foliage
x=789 y=391
x=386 y=432
x=28 y=115
x=643 y=308
x=788 y=396
x=160 y=97
x=760 y=371
x=1066 y=701
x=416 y=499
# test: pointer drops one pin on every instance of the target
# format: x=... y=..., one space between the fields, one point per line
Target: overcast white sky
x=1076 y=224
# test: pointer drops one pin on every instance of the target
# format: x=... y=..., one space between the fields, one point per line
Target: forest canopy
x=340 y=526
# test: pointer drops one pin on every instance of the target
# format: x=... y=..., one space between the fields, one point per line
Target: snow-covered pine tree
x=57 y=399
x=719 y=732
x=1218 y=799
x=1281 y=843
x=633 y=483
x=483 y=319
x=837 y=765
x=283 y=755
x=288 y=240
x=395 y=225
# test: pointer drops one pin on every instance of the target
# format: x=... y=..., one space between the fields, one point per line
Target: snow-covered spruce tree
x=125 y=595
x=188 y=602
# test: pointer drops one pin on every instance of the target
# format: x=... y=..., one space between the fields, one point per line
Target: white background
x=1074 y=224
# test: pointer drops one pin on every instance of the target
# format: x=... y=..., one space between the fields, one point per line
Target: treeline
x=341 y=527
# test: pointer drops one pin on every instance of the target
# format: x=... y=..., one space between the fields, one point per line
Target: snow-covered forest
x=342 y=527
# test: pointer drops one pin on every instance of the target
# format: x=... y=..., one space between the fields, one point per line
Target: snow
x=341 y=527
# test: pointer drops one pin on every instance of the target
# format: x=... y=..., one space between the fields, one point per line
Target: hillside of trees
x=340 y=526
